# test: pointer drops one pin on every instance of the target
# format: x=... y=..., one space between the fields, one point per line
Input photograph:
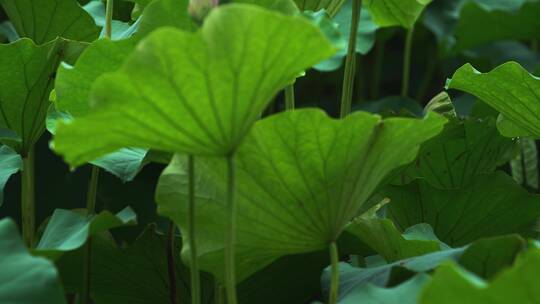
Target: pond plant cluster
x=269 y=151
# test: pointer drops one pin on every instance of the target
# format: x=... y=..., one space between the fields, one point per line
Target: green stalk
x=194 y=263
x=92 y=192
x=28 y=212
x=407 y=63
x=108 y=18
x=218 y=293
x=171 y=269
x=93 y=185
x=230 y=240
x=90 y=210
x=377 y=70
x=350 y=62
x=289 y=97
x=334 y=283
x=427 y=78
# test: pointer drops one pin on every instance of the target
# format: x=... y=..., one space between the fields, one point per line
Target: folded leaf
x=381 y=284
x=68 y=230
x=10 y=163
x=509 y=89
x=452 y=284
x=198 y=92
x=382 y=236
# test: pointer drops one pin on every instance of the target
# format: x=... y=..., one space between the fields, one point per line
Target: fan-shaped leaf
x=301 y=177
x=44 y=20
x=195 y=93
x=27 y=74
x=396 y=12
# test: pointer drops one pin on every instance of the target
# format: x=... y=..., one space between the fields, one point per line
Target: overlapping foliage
x=176 y=151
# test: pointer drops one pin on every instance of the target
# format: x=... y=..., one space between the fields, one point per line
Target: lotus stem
x=91 y=198
x=194 y=263
x=27 y=199
x=171 y=269
x=407 y=63
x=289 y=97
x=230 y=239
x=350 y=61
x=108 y=18
x=377 y=70
x=334 y=283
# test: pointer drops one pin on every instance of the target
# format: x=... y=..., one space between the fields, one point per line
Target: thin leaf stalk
x=91 y=199
x=108 y=18
x=334 y=283
x=230 y=239
x=407 y=63
x=350 y=61
x=171 y=269
x=289 y=97
x=194 y=263
x=377 y=70
x=28 y=212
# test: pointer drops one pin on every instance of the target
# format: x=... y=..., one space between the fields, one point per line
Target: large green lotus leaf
x=27 y=74
x=383 y=237
x=489 y=205
x=331 y=6
x=396 y=12
x=10 y=163
x=25 y=278
x=44 y=20
x=478 y=25
x=68 y=230
x=301 y=177
x=198 y=92
x=73 y=83
x=519 y=284
x=509 y=89
x=463 y=150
